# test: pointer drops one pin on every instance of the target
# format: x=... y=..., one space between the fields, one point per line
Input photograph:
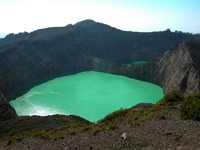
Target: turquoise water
x=142 y=62
x=91 y=95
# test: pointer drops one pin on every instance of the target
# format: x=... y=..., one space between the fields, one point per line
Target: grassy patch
x=172 y=99
x=65 y=130
x=158 y=111
x=116 y=116
x=20 y=136
x=110 y=122
x=143 y=115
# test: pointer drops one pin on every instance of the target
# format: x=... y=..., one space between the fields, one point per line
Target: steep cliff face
x=179 y=69
x=6 y=110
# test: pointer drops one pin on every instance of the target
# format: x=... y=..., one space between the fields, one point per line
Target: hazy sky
x=132 y=15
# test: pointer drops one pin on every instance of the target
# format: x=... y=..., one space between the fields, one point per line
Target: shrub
x=173 y=98
x=190 y=108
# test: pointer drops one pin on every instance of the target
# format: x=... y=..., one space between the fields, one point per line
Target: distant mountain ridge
x=101 y=40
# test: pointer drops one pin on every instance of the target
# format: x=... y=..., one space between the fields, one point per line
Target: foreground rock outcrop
x=6 y=110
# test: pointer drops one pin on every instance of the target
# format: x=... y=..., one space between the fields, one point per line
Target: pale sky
x=129 y=15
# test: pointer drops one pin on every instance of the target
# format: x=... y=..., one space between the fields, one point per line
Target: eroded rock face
x=179 y=69
x=6 y=110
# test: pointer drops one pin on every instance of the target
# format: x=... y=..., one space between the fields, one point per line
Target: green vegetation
x=50 y=127
x=172 y=99
x=145 y=114
x=189 y=105
x=114 y=117
x=61 y=132
x=190 y=108
x=110 y=122
x=158 y=111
